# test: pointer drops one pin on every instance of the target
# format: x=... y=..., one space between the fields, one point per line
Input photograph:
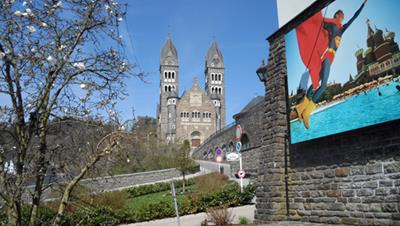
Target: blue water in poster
x=362 y=76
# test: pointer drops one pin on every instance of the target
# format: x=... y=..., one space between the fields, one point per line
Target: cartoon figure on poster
x=326 y=35
x=343 y=74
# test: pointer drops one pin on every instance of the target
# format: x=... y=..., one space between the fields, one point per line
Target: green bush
x=100 y=216
x=244 y=220
x=154 y=188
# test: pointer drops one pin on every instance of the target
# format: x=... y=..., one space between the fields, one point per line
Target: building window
x=165 y=75
x=219 y=77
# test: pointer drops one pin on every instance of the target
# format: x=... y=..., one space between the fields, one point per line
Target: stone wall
x=118 y=182
x=250 y=121
x=351 y=178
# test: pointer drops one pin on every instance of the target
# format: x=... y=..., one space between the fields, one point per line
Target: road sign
x=232 y=156
x=218 y=158
x=218 y=152
x=238 y=133
x=241 y=173
x=238 y=146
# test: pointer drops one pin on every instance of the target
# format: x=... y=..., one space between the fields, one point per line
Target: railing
x=212 y=136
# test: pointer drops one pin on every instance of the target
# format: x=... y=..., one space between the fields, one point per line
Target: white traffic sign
x=238 y=146
x=241 y=173
x=238 y=133
x=218 y=158
x=232 y=156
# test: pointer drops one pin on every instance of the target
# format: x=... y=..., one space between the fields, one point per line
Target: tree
x=57 y=58
x=184 y=162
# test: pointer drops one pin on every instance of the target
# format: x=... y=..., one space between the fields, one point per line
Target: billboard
x=289 y=9
x=343 y=67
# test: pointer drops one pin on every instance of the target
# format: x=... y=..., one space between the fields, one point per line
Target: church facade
x=197 y=113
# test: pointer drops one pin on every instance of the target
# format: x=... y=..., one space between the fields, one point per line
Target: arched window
x=219 y=77
x=181 y=114
x=209 y=115
x=245 y=141
x=165 y=75
x=169 y=74
x=212 y=77
x=165 y=88
x=173 y=75
x=169 y=88
x=220 y=90
x=192 y=114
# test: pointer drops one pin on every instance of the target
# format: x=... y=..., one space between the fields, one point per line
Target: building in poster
x=331 y=90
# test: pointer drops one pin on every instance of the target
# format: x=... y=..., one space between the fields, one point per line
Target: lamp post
x=262 y=72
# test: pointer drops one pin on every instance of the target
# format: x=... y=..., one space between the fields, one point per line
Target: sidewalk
x=196 y=219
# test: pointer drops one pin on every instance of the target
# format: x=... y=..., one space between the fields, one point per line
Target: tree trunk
x=69 y=188
x=14 y=217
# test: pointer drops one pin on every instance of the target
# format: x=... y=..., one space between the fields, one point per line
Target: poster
x=343 y=67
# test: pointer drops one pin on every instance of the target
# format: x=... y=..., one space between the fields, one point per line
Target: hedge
x=104 y=216
x=155 y=188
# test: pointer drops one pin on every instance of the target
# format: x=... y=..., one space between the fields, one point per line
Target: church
x=196 y=113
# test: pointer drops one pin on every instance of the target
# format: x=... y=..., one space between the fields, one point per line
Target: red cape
x=310 y=33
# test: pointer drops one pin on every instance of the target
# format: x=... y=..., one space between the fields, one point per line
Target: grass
x=140 y=201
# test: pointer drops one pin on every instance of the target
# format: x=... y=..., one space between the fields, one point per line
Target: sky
x=240 y=28
x=381 y=15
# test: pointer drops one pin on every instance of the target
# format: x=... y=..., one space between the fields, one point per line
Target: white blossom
x=58 y=5
x=80 y=65
x=107 y=7
x=2 y=55
x=24 y=3
x=31 y=29
x=44 y=24
x=33 y=49
x=62 y=47
x=83 y=86
x=18 y=13
x=50 y=59
x=120 y=19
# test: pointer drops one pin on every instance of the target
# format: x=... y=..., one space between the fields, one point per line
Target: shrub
x=114 y=200
x=99 y=216
x=204 y=223
x=154 y=188
x=220 y=216
x=244 y=220
x=210 y=182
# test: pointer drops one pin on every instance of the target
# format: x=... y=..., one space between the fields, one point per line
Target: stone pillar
x=271 y=198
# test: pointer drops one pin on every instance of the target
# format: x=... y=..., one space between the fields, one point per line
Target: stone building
x=197 y=113
x=380 y=58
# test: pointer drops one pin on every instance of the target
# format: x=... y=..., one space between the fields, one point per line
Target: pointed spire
x=214 y=56
x=169 y=55
x=370 y=30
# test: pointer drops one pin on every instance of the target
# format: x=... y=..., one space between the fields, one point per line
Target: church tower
x=169 y=90
x=215 y=82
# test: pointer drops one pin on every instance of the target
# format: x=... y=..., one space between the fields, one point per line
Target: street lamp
x=262 y=72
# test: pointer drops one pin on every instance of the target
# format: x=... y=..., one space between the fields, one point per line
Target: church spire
x=169 y=55
x=371 y=32
x=214 y=56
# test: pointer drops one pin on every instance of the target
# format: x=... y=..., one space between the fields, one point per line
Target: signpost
x=238 y=149
x=175 y=203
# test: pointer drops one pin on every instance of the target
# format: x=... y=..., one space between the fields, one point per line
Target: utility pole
x=175 y=203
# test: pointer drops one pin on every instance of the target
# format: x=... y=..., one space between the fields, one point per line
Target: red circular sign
x=241 y=173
